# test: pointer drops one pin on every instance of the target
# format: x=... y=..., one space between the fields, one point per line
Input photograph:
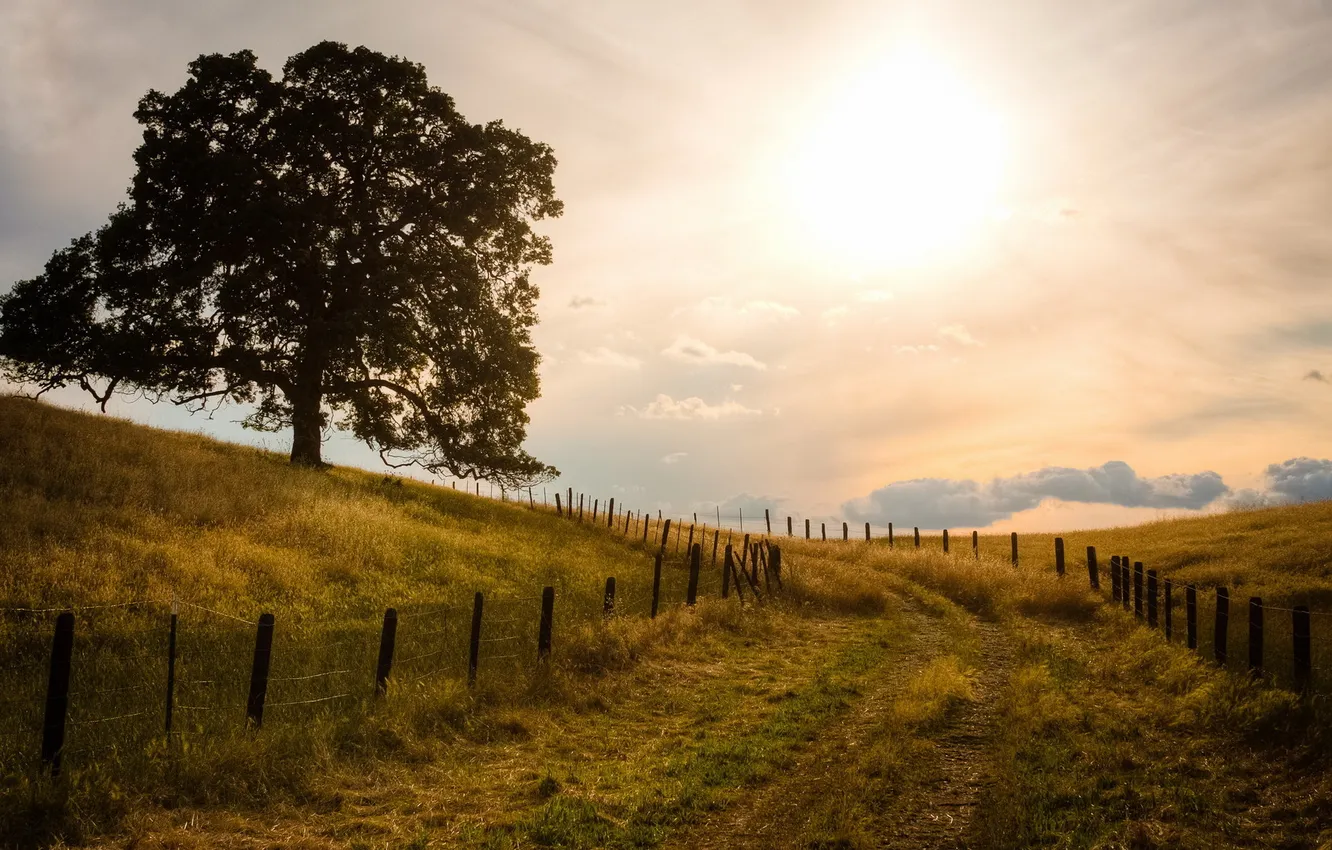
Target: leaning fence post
x=1300 y=633
x=716 y=538
x=388 y=639
x=263 y=657
x=945 y=541
x=665 y=535
x=1137 y=589
x=57 y=693
x=1092 y=575
x=1256 y=635
x=767 y=520
x=547 y=623
x=1222 y=628
x=1191 y=616
x=1151 y=598
x=1059 y=557
x=695 y=561
x=1013 y=543
x=474 y=644
x=1169 y=608
x=559 y=510
x=171 y=666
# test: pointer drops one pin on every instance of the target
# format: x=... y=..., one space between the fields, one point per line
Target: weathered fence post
x=845 y=533
x=647 y=521
x=665 y=535
x=689 y=547
x=559 y=511
x=608 y=599
x=581 y=498
x=388 y=639
x=57 y=693
x=915 y=530
x=1169 y=608
x=1059 y=557
x=716 y=538
x=1256 y=635
x=867 y=533
x=1191 y=616
x=1114 y=578
x=679 y=529
x=610 y=514
x=975 y=544
x=1013 y=542
x=1222 y=626
x=1151 y=598
x=806 y=529
x=890 y=535
x=823 y=531
x=1301 y=641
x=1092 y=574
x=474 y=644
x=547 y=623
x=595 y=504
x=695 y=559
x=171 y=667
x=789 y=532
x=767 y=520
x=263 y=657
x=945 y=541
x=1137 y=589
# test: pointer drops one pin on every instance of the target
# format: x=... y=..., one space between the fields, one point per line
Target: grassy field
x=886 y=698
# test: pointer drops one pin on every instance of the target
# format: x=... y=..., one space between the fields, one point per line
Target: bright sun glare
x=905 y=167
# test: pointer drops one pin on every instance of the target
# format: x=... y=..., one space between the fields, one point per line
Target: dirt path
x=937 y=814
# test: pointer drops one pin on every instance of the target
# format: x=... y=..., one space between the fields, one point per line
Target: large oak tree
x=338 y=246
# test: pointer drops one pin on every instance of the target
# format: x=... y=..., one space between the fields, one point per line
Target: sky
x=1020 y=265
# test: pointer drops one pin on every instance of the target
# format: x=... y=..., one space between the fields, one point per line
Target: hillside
x=876 y=697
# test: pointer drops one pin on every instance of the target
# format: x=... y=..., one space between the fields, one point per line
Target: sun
x=904 y=167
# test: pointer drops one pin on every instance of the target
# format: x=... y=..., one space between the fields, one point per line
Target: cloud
x=665 y=407
x=582 y=302
x=914 y=349
x=760 y=309
x=833 y=315
x=959 y=335
x=1294 y=481
x=689 y=350
x=948 y=503
x=674 y=458
x=875 y=296
x=603 y=356
x=1316 y=375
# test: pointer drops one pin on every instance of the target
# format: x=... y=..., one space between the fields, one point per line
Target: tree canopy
x=335 y=247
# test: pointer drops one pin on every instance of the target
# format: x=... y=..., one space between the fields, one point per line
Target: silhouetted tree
x=337 y=246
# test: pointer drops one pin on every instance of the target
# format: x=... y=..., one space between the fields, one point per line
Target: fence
x=112 y=682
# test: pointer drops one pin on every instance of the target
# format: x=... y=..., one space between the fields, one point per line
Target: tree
x=335 y=247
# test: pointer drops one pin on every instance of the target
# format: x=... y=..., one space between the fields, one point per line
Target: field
x=882 y=697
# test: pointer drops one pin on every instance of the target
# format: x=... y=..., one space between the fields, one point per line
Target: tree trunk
x=307 y=429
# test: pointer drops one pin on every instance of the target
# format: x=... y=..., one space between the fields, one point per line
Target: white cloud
x=959 y=335
x=689 y=350
x=761 y=309
x=603 y=356
x=674 y=457
x=665 y=407
x=914 y=349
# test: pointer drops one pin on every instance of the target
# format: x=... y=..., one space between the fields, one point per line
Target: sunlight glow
x=905 y=166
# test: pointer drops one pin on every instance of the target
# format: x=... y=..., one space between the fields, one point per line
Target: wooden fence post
x=789 y=532
x=610 y=514
x=916 y=532
x=1137 y=589
x=695 y=559
x=767 y=520
x=845 y=533
x=1301 y=644
x=263 y=658
x=665 y=534
x=1151 y=598
x=679 y=529
x=777 y=565
x=171 y=668
x=716 y=538
x=945 y=541
x=867 y=533
x=975 y=544
x=388 y=639
x=647 y=521
x=689 y=547
x=474 y=644
x=823 y=531
x=57 y=693
x=727 y=561
x=1169 y=609
x=1222 y=626
x=595 y=504
x=1092 y=574
x=559 y=511
x=1191 y=616
x=1256 y=635
x=1013 y=542
x=890 y=535
x=608 y=599
x=547 y=623
x=1059 y=557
